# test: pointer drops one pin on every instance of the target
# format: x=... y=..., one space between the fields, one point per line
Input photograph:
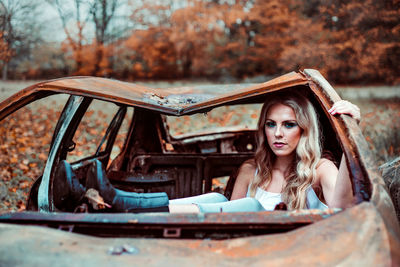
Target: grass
x=380 y=125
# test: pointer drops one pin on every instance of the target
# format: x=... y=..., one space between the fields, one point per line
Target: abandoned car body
x=153 y=160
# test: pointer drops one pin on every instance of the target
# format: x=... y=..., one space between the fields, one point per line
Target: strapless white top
x=269 y=200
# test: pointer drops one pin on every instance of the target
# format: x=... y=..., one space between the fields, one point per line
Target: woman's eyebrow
x=282 y=121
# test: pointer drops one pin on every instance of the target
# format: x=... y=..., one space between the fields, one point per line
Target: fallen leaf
x=42 y=156
x=95 y=199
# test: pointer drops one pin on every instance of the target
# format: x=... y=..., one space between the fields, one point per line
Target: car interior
x=149 y=159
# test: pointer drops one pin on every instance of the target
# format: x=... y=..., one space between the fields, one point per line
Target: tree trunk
x=98 y=59
x=4 y=71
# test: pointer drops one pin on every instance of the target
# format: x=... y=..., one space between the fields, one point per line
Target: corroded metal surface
x=367 y=182
x=338 y=240
x=173 y=101
x=164 y=225
x=303 y=216
x=349 y=134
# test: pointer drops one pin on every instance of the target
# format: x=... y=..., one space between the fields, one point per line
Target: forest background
x=354 y=44
x=349 y=42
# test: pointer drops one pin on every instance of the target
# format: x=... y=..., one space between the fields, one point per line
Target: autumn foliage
x=24 y=143
x=348 y=41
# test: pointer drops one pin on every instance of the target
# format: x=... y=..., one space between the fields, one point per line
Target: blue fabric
x=247 y=204
x=205 y=198
x=215 y=202
x=313 y=201
x=131 y=200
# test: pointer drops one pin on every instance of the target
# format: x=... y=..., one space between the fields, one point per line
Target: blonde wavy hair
x=302 y=173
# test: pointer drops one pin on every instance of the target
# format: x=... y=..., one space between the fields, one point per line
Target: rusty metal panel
x=347 y=131
x=193 y=226
x=368 y=183
x=173 y=101
x=356 y=236
x=282 y=217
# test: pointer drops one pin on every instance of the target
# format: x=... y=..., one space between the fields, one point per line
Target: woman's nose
x=278 y=131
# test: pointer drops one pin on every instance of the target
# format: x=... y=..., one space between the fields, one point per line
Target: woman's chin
x=282 y=152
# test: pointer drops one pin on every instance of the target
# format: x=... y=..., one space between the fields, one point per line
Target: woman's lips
x=279 y=144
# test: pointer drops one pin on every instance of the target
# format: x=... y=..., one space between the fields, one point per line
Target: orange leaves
x=6 y=53
x=42 y=156
x=25 y=137
x=93 y=131
x=351 y=43
x=23 y=167
x=347 y=41
x=152 y=53
x=381 y=128
x=224 y=120
x=12 y=189
x=20 y=205
x=233 y=46
x=219 y=184
x=219 y=119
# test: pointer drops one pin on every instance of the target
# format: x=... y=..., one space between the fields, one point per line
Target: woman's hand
x=346 y=107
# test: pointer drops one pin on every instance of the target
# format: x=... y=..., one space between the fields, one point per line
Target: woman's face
x=281 y=129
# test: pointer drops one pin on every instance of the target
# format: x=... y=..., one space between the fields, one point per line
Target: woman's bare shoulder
x=325 y=163
x=244 y=177
x=246 y=172
x=248 y=167
x=326 y=170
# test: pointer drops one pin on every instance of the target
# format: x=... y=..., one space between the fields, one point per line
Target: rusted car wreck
x=152 y=160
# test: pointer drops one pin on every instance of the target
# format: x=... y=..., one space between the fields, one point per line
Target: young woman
x=288 y=165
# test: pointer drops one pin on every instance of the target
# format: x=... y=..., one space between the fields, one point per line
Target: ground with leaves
x=25 y=138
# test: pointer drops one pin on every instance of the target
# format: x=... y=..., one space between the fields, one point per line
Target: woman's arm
x=243 y=179
x=336 y=184
x=346 y=107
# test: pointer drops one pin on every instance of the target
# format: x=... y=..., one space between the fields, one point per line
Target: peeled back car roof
x=171 y=101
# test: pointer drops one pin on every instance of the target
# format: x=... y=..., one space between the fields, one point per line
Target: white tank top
x=269 y=200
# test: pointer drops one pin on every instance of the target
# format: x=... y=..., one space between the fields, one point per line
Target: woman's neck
x=280 y=170
x=283 y=164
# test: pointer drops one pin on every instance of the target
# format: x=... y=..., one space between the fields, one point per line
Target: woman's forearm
x=343 y=192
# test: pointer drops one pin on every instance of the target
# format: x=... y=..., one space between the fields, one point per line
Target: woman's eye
x=270 y=124
x=290 y=124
